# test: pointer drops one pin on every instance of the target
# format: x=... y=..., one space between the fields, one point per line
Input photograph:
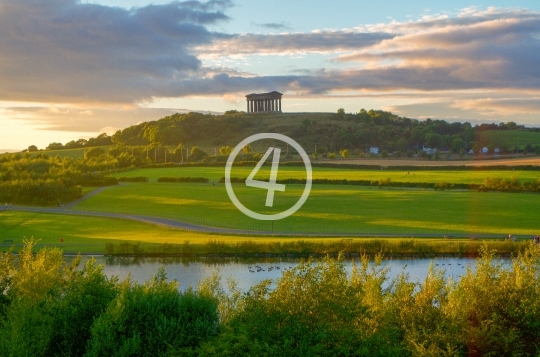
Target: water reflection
x=250 y=271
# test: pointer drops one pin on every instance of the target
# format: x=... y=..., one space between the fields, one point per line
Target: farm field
x=330 y=209
x=284 y=172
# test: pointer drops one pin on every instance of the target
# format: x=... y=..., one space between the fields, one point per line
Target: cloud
x=274 y=25
x=79 y=54
x=286 y=43
x=67 y=51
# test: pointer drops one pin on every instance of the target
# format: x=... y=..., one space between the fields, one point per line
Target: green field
x=91 y=233
x=455 y=176
x=330 y=209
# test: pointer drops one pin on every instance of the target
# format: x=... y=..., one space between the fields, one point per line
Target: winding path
x=171 y=223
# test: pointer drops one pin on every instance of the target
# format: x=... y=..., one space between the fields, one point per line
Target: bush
x=94 y=153
x=331 y=155
x=51 y=305
x=384 y=154
x=183 y=179
x=133 y=179
x=153 y=319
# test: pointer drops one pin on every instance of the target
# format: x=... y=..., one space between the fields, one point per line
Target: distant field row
x=284 y=172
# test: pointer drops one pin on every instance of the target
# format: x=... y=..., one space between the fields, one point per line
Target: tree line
x=354 y=131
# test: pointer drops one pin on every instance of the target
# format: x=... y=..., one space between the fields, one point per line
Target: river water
x=248 y=272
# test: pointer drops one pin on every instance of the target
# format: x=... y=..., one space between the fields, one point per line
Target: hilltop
x=330 y=132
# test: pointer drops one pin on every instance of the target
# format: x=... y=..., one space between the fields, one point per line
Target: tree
x=246 y=149
x=179 y=155
x=345 y=153
x=433 y=140
x=225 y=150
x=385 y=154
x=32 y=148
x=457 y=144
x=341 y=113
x=197 y=154
x=94 y=153
x=54 y=146
x=153 y=134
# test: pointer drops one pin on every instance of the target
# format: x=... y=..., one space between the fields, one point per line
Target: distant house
x=429 y=150
x=485 y=150
x=470 y=152
x=497 y=151
x=374 y=150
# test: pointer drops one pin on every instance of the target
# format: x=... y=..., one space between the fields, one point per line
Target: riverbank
x=350 y=248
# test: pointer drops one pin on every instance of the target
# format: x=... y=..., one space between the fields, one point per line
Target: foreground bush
x=152 y=320
x=48 y=305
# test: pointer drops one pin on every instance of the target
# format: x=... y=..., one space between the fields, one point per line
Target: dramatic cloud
x=65 y=51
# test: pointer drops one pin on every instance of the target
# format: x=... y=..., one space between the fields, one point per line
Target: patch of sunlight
x=450 y=227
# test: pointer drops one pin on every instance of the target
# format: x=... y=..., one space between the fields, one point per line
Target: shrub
x=133 y=179
x=331 y=155
x=182 y=179
x=153 y=319
x=50 y=305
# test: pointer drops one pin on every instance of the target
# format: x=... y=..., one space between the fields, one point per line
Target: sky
x=73 y=69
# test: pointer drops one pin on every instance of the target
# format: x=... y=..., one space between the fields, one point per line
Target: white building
x=428 y=150
x=374 y=150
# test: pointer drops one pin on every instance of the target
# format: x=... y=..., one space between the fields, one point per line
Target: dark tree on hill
x=32 y=148
x=92 y=153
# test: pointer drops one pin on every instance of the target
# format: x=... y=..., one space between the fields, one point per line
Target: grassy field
x=113 y=236
x=92 y=233
x=330 y=209
x=215 y=173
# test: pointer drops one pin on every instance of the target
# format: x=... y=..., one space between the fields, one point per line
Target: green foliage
x=225 y=150
x=183 y=179
x=153 y=319
x=197 y=154
x=345 y=153
x=32 y=148
x=50 y=308
x=384 y=154
x=50 y=305
x=94 y=153
x=38 y=192
x=331 y=155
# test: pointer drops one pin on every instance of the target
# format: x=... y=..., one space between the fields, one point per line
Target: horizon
x=75 y=69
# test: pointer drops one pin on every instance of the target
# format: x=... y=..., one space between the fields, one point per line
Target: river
x=248 y=272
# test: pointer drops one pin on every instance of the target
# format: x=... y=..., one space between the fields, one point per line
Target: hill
x=329 y=132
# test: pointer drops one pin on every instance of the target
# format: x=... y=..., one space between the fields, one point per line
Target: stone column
x=280 y=105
